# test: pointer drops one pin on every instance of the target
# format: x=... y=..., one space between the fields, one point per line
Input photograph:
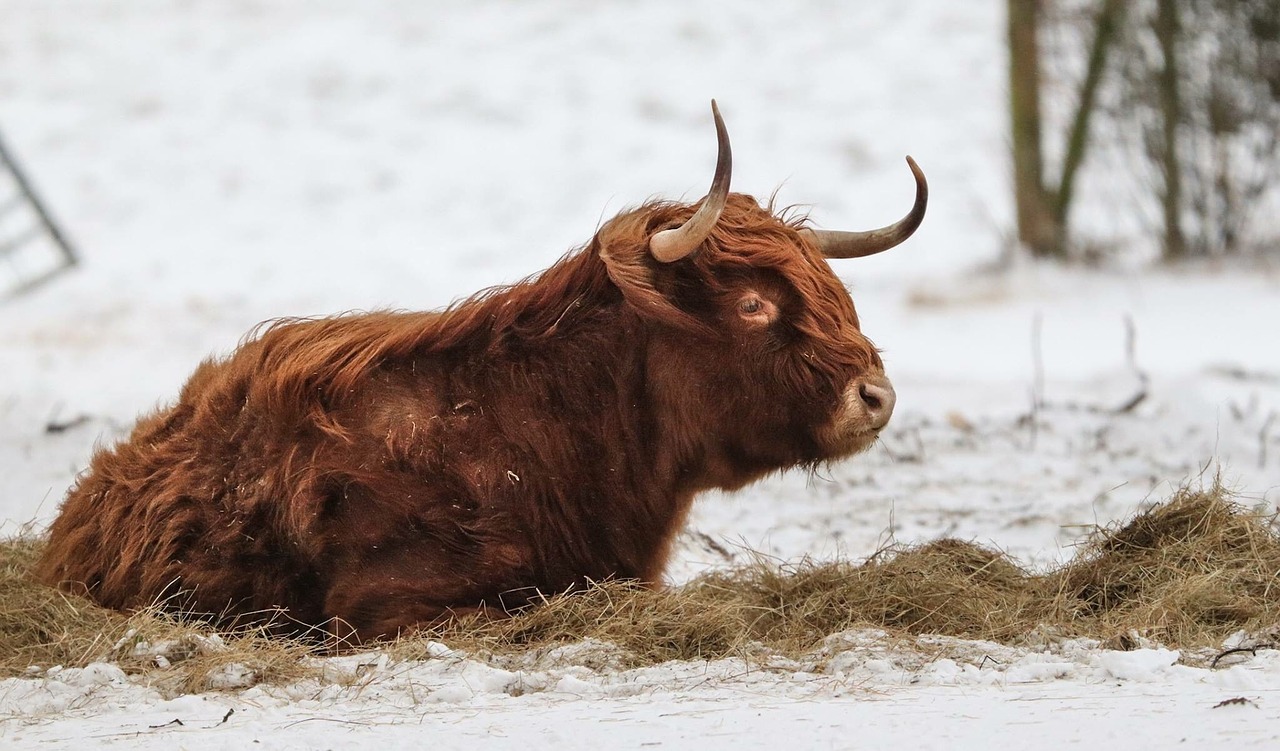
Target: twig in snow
x=1130 y=338
x=1037 y=377
x=1239 y=650
x=1263 y=436
x=54 y=425
x=327 y=719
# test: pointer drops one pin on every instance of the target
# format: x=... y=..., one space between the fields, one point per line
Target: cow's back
x=167 y=516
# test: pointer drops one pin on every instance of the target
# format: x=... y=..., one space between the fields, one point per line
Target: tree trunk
x=1168 y=30
x=1037 y=227
x=1105 y=25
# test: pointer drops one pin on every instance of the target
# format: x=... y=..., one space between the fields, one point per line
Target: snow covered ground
x=221 y=163
x=873 y=698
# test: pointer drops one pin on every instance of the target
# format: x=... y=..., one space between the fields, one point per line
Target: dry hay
x=41 y=627
x=1185 y=573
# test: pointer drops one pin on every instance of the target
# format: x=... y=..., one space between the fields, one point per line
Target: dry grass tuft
x=649 y=626
x=1185 y=573
x=41 y=627
x=1189 y=571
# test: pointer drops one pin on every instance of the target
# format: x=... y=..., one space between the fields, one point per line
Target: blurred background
x=1102 y=224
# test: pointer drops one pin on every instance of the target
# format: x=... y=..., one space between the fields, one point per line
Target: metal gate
x=32 y=246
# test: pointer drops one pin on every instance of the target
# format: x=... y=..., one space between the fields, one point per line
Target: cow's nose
x=878 y=399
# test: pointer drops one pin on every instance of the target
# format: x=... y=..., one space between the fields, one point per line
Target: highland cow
x=366 y=474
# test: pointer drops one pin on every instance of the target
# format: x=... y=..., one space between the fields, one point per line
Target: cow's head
x=756 y=358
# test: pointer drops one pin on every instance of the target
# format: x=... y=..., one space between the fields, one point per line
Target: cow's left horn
x=673 y=244
x=857 y=244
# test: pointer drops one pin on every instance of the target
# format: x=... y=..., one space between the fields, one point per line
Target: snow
x=870 y=696
x=222 y=163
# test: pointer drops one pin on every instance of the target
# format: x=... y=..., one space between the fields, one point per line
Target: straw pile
x=1185 y=573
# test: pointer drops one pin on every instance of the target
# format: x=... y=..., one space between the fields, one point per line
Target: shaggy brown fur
x=366 y=474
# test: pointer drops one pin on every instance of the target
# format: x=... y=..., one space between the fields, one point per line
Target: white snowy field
x=222 y=163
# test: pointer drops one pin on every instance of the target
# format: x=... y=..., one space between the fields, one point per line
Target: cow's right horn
x=673 y=244
x=836 y=244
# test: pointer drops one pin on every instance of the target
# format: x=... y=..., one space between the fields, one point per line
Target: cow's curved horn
x=835 y=244
x=673 y=244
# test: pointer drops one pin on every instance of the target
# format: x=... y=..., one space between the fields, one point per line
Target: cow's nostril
x=878 y=399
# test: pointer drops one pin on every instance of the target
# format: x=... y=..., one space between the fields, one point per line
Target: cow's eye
x=751 y=305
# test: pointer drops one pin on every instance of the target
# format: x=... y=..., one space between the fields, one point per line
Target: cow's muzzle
x=865 y=408
x=874 y=398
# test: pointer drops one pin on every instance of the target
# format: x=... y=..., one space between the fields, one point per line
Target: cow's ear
x=633 y=270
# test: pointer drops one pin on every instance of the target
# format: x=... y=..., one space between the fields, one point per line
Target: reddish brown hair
x=369 y=473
